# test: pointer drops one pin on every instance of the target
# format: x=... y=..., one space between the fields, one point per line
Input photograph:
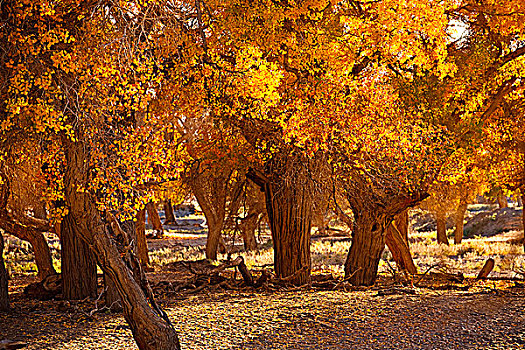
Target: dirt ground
x=488 y=317
x=466 y=315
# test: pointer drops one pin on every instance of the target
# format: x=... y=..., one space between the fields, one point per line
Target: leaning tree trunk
x=37 y=240
x=368 y=242
x=289 y=207
x=459 y=217
x=441 y=223
x=397 y=241
x=79 y=267
x=4 y=295
x=168 y=212
x=142 y=243
x=154 y=219
x=150 y=326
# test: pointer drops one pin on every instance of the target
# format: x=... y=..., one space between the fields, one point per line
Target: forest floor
x=466 y=314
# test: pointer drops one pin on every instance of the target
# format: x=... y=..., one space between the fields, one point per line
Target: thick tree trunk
x=168 y=212
x=289 y=207
x=459 y=217
x=142 y=243
x=150 y=326
x=520 y=200
x=401 y=222
x=37 y=240
x=368 y=242
x=4 y=295
x=397 y=242
x=79 y=267
x=154 y=219
x=441 y=222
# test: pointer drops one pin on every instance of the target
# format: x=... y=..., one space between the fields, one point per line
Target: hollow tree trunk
x=168 y=212
x=289 y=207
x=154 y=218
x=4 y=295
x=397 y=242
x=441 y=223
x=37 y=240
x=459 y=217
x=142 y=243
x=368 y=242
x=79 y=267
x=150 y=326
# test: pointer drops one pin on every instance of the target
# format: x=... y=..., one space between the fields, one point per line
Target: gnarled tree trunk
x=368 y=242
x=37 y=240
x=289 y=207
x=150 y=326
x=459 y=218
x=441 y=223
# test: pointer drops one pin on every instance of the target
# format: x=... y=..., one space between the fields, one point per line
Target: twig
x=423 y=275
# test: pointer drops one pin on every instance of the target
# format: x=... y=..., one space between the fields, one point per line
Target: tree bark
x=502 y=200
x=168 y=212
x=79 y=267
x=37 y=240
x=441 y=223
x=142 y=243
x=368 y=242
x=397 y=243
x=150 y=326
x=459 y=217
x=111 y=296
x=154 y=219
x=523 y=218
x=248 y=225
x=4 y=295
x=289 y=207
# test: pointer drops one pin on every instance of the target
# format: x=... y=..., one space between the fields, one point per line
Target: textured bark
x=154 y=219
x=397 y=242
x=401 y=222
x=150 y=326
x=289 y=207
x=37 y=240
x=459 y=218
x=520 y=200
x=168 y=212
x=39 y=211
x=4 y=296
x=111 y=296
x=142 y=243
x=368 y=242
x=79 y=267
x=441 y=222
